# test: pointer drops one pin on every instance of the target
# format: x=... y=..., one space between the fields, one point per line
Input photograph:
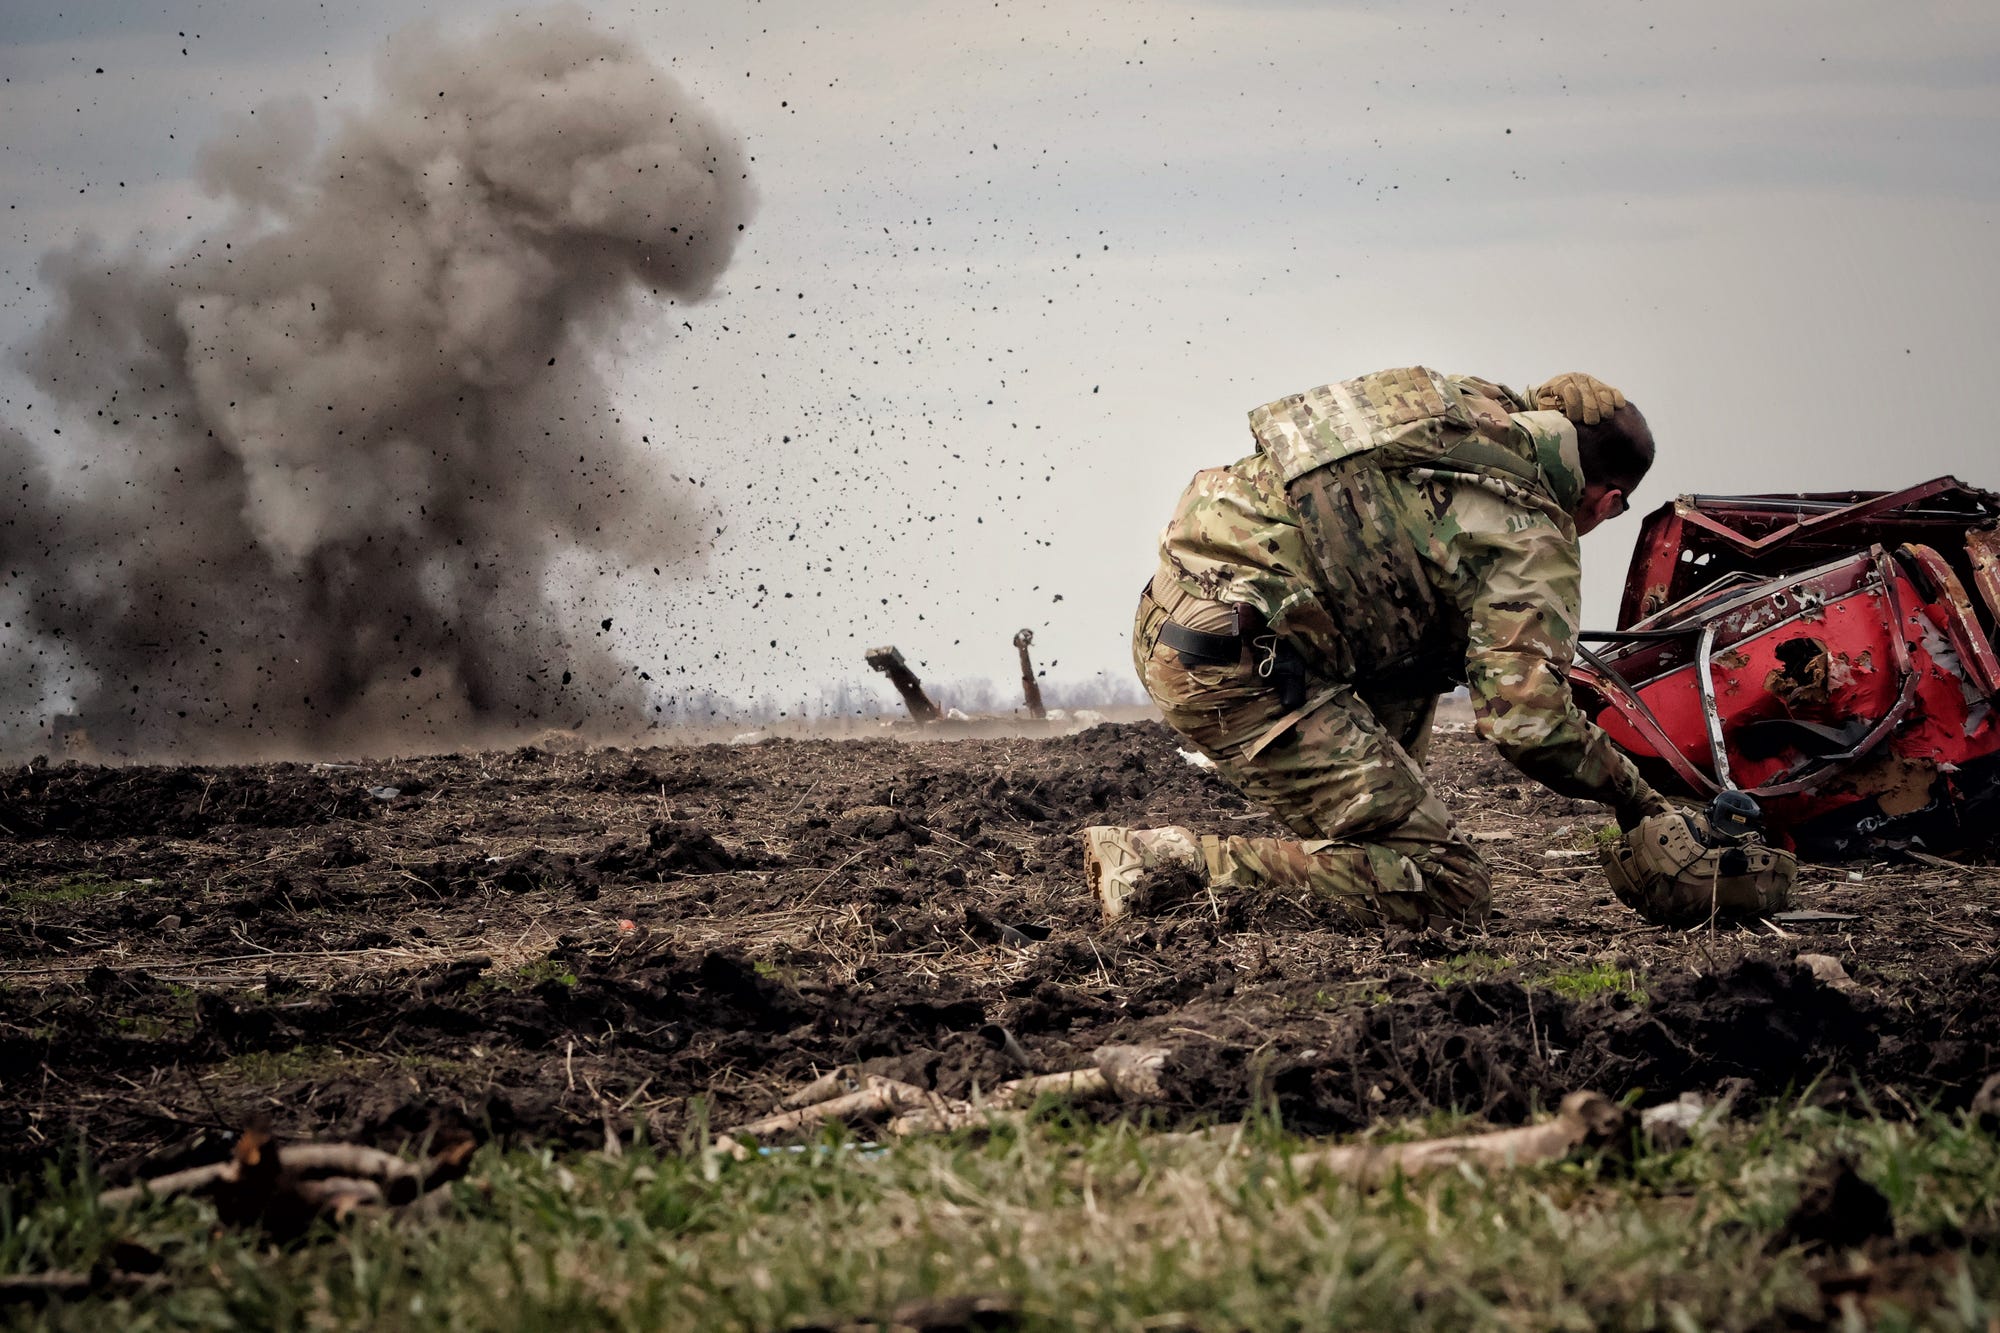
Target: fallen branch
x=827 y=1086
x=877 y=1098
x=1587 y=1119
x=285 y=1186
x=1132 y=1073
x=943 y=1119
x=1129 y=1072
x=1075 y=1084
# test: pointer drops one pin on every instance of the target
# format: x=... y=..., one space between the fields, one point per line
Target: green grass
x=1595 y=837
x=266 y=1068
x=75 y=890
x=1100 y=1228
x=1583 y=982
x=1577 y=982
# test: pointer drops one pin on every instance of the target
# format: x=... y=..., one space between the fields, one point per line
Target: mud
x=560 y=947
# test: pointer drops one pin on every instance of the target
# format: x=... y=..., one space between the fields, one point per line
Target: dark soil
x=560 y=947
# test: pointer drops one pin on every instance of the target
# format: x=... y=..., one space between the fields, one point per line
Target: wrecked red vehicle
x=1832 y=655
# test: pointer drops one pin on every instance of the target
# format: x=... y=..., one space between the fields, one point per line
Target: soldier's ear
x=1598 y=505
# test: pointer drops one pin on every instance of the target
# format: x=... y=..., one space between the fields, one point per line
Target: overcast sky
x=1016 y=271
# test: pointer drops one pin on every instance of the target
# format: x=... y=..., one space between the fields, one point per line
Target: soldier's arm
x=1510 y=400
x=1519 y=589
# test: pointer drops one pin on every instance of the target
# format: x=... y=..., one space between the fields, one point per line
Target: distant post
x=1029 y=690
x=890 y=663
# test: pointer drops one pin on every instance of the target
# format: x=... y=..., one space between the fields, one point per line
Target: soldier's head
x=1616 y=453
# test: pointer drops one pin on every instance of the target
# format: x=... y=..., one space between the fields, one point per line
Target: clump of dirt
x=89 y=802
x=1760 y=1026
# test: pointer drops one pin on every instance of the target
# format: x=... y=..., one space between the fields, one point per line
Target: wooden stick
x=1130 y=1072
x=340 y=1195
x=941 y=1119
x=194 y=1180
x=831 y=1084
x=876 y=1097
x=1079 y=1084
x=393 y=1179
x=1586 y=1118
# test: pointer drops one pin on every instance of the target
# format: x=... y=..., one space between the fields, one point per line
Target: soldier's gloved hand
x=1645 y=804
x=1580 y=397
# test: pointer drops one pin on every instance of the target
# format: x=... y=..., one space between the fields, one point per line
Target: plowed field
x=560 y=947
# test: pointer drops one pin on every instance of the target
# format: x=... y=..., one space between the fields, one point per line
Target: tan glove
x=1579 y=397
x=1674 y=871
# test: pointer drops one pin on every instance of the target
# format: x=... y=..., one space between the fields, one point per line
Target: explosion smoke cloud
x=330 y=461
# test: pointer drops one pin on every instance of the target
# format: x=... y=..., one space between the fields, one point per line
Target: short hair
x=1617 y=452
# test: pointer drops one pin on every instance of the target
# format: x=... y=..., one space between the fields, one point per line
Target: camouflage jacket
x=1440 y=548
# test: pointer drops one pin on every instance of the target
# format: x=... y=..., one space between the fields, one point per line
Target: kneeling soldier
x=1391 y=537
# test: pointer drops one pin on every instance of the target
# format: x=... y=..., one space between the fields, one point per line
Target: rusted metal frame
x=1632 y=706
x=1859 y=512
x=1711 y=711
x=1982 y=660
x=1780 y=502
x=1829 y=766
x=1982 y=548
x=1823 y=577
x=1654 y=561
x=1899 y=646
x=1818 y=504
x=1632 y=635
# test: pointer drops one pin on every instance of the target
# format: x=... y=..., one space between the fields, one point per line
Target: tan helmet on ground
x=1681 y=869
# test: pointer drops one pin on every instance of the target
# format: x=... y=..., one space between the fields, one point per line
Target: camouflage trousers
x=1346 y=775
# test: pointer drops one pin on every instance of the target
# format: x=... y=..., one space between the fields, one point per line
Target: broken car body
x=1832 y=655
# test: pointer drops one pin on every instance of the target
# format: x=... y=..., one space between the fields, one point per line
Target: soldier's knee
x=1431 y=884
x=1458 y=884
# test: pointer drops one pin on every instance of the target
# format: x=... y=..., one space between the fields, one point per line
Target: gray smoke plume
x=319 y=475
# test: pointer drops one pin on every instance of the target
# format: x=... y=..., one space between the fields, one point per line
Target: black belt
x=1199 y=649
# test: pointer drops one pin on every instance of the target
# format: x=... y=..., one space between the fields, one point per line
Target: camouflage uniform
x=1400 y=533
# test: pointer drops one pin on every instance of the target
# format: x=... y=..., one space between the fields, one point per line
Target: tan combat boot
x=1115 y=860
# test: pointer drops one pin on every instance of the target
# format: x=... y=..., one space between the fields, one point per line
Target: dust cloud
x=318 y=483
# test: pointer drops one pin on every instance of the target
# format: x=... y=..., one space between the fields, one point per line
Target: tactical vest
x=1341 y=449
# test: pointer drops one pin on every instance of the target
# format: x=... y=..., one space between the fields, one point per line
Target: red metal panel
x=1863 y=647
x=1855 y=690
x=1953 y=615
